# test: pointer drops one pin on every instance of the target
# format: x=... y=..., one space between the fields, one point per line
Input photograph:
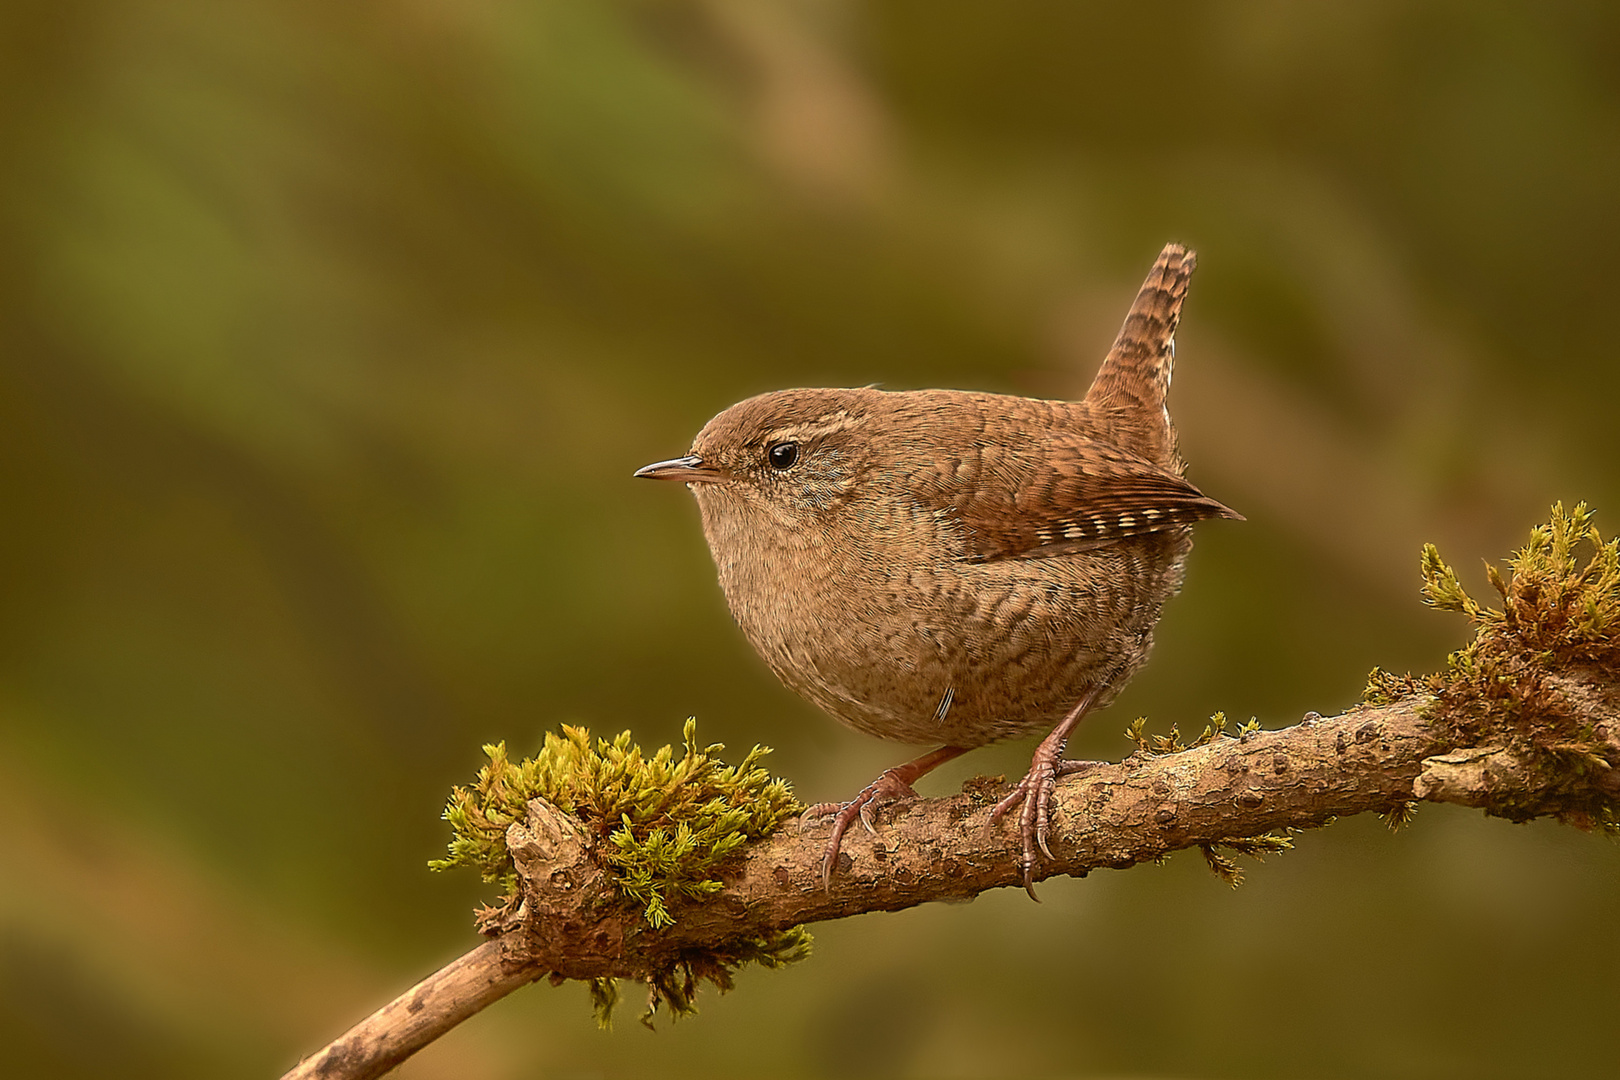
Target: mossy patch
x=1150 y=745
x=1560 y=613
x=666 y=821
x=664 y=824
x=1221 y=865
x=1257 y=848
x=675 y=987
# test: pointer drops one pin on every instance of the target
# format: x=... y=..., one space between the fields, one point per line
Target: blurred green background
x=330 y=335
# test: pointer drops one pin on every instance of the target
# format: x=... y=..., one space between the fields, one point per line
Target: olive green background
x=330 y=335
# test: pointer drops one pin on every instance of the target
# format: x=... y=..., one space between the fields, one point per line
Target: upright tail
x=1127 y=398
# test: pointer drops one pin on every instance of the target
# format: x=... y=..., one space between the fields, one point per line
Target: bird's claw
x=1034 y=794
x=886 y=788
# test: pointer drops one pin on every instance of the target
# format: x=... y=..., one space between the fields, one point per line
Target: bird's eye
x=783 y=455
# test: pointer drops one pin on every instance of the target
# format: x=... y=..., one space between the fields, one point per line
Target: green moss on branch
x=1560 y=613
x=664 y=823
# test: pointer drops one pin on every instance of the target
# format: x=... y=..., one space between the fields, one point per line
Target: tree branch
x=573 y=924
x=421 y=1014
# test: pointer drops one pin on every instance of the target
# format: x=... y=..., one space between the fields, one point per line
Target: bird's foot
x=1034 y=791
x=892 y=786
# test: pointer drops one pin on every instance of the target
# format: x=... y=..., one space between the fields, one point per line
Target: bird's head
x=782 y=461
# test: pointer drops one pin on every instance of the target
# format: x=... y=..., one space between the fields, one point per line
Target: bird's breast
x=872 y=616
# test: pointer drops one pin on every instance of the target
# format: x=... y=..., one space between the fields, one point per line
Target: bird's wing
x=1068 y=495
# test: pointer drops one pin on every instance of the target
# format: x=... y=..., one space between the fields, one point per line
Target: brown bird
x=950 y=567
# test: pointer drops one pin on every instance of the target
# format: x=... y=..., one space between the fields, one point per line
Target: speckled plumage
x=943 y=566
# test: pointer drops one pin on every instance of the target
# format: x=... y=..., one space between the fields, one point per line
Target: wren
x=951 y=567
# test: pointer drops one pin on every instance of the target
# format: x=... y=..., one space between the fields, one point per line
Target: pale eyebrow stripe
x=824 y=425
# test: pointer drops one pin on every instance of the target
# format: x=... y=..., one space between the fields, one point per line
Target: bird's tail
x=1128 y=395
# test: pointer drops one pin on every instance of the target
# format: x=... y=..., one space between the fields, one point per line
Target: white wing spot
x=1126 y=521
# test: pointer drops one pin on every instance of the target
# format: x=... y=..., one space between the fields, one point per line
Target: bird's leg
x=894 y=784
x=1035 y=789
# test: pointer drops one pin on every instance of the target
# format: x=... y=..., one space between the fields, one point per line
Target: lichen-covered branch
x=1524 y=722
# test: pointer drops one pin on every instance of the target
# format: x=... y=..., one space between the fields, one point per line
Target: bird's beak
x=688 y=470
